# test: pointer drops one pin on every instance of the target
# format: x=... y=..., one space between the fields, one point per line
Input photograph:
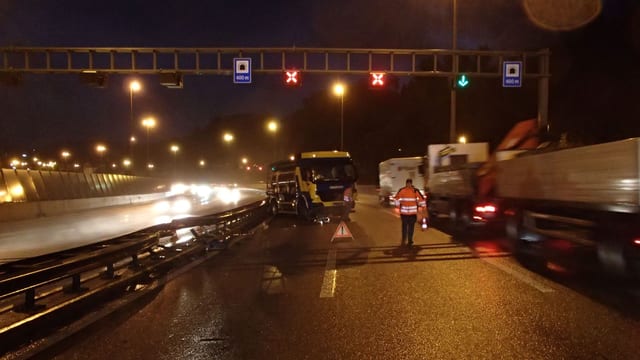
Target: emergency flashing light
x=377 y=79
x=292 y=78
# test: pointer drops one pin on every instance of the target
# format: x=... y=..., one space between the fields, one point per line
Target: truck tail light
x=484 y=209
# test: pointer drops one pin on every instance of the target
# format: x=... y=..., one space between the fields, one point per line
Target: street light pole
x=174 y=149
x=272 y=126
x=342 y=121
x=133 y=87
x=454 y=45
x=338 y=90
x=100 y=149
x=148 y=123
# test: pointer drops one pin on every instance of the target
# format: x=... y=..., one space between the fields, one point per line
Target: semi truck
x=587 y=196
x=312 y=185
x=392 y=174
x=462 y=178
x=550 y=193
x=452 y=184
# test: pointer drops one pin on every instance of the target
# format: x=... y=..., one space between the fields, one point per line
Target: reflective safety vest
x=348 y=194
x=408 y=199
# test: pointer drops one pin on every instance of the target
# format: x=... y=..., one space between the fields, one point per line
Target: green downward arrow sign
x=463 y=81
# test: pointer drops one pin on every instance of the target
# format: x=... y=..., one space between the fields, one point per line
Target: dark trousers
x=408 y=224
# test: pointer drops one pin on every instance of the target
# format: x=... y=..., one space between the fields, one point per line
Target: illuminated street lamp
x=174 y=149
x=272 y=127
x=462 y=139
x=65 y=155
x=228 y=139
x=339 y=90
x=101 y=149
x=126 y=163
x=244 y=161
x=149 y=123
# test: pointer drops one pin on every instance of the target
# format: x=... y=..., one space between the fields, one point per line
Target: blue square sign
x=512 y=74
x=242 y=70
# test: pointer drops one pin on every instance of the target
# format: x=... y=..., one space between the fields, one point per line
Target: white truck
x=462 y=178
x=393 y=173
x=588 y=196
x=453 y=187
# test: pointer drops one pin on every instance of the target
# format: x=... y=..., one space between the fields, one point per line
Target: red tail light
x=488 y=208
x=636 y=241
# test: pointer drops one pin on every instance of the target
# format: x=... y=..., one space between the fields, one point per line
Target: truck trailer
x=461 y=183
x=393 y=173
x=544 y=194
x=588 y=196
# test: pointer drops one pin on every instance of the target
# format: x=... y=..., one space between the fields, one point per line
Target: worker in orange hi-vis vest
x=408 y=200
x=348 y=202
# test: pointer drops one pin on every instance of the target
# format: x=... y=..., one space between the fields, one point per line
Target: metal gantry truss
x=219 y=61
x=176 y=62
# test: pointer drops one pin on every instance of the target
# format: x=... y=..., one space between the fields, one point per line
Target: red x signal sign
x=377 y=79
x=292 y=78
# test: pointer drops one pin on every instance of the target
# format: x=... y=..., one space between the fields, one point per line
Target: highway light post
x=148 y=123
x=272 y=127
x=134 y=86
x=454 y=46
x=65 y=155
x=338 y=90
x=100 y=149
x=174 y=149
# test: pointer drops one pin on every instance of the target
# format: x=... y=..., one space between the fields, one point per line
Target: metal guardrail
x=27 y=282
x=222 y=227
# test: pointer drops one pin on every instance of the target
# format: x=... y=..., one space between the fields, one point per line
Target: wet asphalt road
x=290 y=293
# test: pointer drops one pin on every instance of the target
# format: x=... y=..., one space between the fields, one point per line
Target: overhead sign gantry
x=171 y=64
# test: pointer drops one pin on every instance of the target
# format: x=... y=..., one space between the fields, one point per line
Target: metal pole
x=452 y=111
x=342 y=122
x=454 y=45
x=147 y=146
x=543 y=92
x=275 y=147
x=131 y=125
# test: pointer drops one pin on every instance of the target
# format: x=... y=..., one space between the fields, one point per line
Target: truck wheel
x=273 y=207
x=611 y=256
x=459 y=217
x=302 y=210
x=513 y=229
x=458 y=220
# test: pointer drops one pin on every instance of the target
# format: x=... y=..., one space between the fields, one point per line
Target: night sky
x=54 y=110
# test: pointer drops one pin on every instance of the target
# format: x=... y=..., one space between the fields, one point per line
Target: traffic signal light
x=377 y=80
x=462 y=81
x=292 y=78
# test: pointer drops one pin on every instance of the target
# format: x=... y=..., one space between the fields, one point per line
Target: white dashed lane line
x=329 y=282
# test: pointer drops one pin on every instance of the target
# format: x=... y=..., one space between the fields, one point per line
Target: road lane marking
x=518 y=275
x=329 y=282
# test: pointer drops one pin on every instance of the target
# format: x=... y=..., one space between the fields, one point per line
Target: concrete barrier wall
x=41 y=185
x=28 y=194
